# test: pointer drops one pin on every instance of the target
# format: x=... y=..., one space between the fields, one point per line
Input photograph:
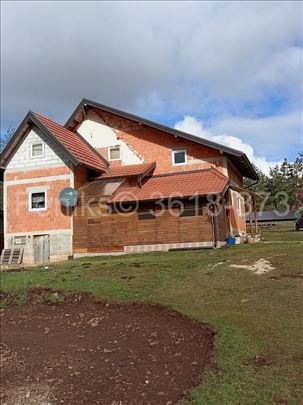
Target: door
x=41 y=249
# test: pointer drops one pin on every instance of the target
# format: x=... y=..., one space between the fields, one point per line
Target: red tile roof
x=74 y=144
x=185 y=184
x=129 y=170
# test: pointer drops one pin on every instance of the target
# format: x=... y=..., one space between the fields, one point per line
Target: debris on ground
x=260 y=266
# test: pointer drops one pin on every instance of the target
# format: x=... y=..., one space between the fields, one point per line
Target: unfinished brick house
x=141 y=186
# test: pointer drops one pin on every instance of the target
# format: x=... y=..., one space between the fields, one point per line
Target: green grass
x=253 y=315
x=282 y=232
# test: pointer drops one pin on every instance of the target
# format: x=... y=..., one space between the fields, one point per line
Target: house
x=267 y=219
x=141 y=186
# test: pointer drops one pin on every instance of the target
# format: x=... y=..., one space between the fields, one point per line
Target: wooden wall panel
x=117 y=230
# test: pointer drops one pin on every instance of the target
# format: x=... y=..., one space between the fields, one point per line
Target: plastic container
x=231 y=241
x=238 y=240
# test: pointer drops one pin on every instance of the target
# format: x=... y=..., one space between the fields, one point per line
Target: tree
x=280 y=188
x=4 y=138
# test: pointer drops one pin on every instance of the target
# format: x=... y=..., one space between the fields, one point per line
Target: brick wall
x=154 y=145
x=20 y=219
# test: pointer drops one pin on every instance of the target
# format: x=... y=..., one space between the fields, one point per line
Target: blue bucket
x=231 y=241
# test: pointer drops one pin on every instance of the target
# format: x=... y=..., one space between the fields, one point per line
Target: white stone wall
x=99 y=135
x=22 y=158
x=60 y=244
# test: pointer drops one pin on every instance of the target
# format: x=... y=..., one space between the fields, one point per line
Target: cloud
x=161 y=60
x=275 y=136
x=196 y=127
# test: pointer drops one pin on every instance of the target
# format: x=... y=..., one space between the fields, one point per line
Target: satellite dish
x=68 y=197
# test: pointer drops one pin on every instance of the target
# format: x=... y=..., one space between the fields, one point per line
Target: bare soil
x=87 y=352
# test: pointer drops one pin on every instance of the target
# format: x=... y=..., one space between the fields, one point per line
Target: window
x=191 y=209
x=37 y=201
x=179 y=157
x=37 y=149
x=114 y=153
x=146 y=211
x=19 y=240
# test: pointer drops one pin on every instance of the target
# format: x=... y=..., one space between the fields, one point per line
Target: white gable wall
x=99 y=135
x=22 y=158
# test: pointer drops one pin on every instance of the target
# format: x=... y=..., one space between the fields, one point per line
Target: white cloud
x=274 y=136
x=161 y=60
x=196 y=127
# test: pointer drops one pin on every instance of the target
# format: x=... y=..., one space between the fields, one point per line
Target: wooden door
x=41 y=249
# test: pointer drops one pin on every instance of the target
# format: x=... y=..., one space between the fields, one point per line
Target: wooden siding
x=114 y=231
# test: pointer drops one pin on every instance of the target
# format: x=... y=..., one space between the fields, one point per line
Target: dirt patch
x=87 y=352
x=260 y=266
x=260 y=361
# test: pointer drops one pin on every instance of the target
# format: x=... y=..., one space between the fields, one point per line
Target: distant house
x=142 y=186
x=267 y=218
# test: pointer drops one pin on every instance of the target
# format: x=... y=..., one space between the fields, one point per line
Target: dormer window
x=114 y=153
x=37 y=149
x=179 y=157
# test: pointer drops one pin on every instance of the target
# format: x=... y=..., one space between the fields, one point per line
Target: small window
x=37 y=149
x=179 y=157
x=19 y=240
x=146 y=211
x=191 y=209
x=114 y=153
x=38 y=201
x=146 y=215
x=191 y=212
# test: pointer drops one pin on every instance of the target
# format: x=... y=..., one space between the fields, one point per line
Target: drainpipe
x=211 y=215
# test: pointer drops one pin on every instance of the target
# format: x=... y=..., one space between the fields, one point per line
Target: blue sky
x=228 y=71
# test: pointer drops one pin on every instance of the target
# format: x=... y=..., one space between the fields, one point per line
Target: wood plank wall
x=112 y=232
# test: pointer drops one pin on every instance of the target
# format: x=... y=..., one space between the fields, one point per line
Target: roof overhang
x=239 y=159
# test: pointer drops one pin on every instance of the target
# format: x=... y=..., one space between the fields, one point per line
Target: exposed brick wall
x=20 y=219
x=154 y=145
x=81 y=176
x=30 y=174
x=233 y=174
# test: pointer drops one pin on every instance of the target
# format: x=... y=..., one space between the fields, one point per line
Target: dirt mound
x=86 y=352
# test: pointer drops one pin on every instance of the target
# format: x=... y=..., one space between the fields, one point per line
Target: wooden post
x=255 y=214
x=250 y=218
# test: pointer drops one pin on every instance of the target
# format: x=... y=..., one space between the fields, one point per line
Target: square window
x=114 y=153
x=191 y=209
x=38 y=201
x=37 y=149
x=179 y=157
x=146 y=211
x=19 y=240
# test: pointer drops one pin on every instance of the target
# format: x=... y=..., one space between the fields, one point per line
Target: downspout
x=211 y=215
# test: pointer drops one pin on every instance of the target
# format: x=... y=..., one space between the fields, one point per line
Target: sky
x=227 y=71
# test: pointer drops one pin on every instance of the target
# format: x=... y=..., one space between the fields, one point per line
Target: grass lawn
x=253 y=315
